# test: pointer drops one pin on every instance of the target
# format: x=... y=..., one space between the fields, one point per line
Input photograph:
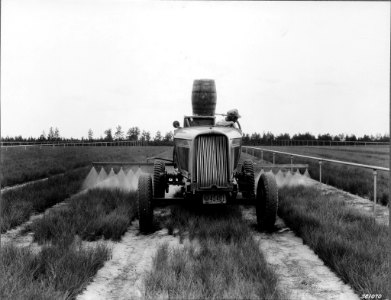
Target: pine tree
x=146 y=136
x=43 y=136
x=51 y=134
x=168 y=137
x=119 y=134
x=158 y=137
x=133 y=133
x=109 y=136
x=90 y=134
x=56 y=134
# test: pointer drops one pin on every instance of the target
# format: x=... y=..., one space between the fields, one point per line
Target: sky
x=288 y=67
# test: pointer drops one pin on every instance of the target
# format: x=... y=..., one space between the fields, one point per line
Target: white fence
x=325 y=143
x=73 y=144
x=320 y=160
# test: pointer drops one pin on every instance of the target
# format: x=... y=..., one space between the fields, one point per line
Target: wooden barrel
x=203 y=97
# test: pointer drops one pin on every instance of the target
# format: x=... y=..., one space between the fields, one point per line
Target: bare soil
x=122 y=277
x=300 y=270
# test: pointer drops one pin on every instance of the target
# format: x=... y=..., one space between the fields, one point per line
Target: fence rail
x=320 y=159
x=325 y=143
x=73 y=144
x=137 y=143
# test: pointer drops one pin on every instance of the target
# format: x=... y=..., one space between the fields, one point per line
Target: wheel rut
x=122 y=276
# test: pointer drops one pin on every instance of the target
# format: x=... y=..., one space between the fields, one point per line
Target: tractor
x=206 y=167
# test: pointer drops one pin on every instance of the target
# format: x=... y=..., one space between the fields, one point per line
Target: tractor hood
x=190 y=133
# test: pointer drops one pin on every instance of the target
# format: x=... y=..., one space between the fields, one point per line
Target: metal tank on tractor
x=206 y=166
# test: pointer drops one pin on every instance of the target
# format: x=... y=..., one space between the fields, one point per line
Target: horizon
x=288 y=67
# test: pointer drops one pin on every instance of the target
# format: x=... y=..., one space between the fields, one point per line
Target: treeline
x=268 y=138
x=133 y=134
x=136 y=134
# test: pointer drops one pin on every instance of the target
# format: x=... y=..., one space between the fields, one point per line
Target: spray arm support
x=165 y=159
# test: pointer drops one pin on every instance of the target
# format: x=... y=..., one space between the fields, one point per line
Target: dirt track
x=121 y=277
x=300 y=270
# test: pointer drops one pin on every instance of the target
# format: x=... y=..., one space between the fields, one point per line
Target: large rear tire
x=267 y=202
x=248 y=169
x=144 y=202
x=159 y=186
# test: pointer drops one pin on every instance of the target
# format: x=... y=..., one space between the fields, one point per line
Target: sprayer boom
x=110 y=163
x=283 y=166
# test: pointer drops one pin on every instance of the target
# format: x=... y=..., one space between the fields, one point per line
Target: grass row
x=56 y=272
x=96 y=214
x=222 y=262
x=19 y=166
x=19 y=204
x=353 y=245
x=63 y=268
x=370 y=155
x=354 y=180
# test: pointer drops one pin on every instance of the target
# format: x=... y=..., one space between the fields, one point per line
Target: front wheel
x=144 y=202
x=267 y=201
x=159 y=185
x=248 y=170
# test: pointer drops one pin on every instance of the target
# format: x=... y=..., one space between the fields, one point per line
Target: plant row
x=222 y=260
x=56 y=272
x=352 y=244
x=19 y=204
x=63 y=268
x=96 y=214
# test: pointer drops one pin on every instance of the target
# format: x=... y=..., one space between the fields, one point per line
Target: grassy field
x=219 y=258
x=19 y=165
x=353 y=245
x=369 y=155
x=355 y=180
x=222 y=261
x=63 y=268
x=99 y=213
x=56 y=272
x=19 y=204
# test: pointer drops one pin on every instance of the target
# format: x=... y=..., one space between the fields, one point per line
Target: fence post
x=274 y=160
x=320 y=171
x=262 y=155
x=374 y=192
x=246 y=150
x=292 y=163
